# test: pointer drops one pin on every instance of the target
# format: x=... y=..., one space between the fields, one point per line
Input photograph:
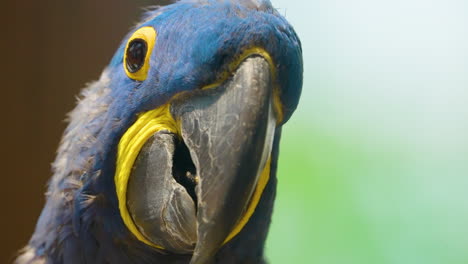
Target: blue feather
x=80 y=222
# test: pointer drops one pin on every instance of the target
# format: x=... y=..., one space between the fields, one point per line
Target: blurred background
x=373 y=166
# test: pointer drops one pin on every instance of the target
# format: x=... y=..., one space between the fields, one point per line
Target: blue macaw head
x=197 y=42
x=171 y=156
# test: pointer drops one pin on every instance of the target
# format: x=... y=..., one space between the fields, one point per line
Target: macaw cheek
x=162 y=208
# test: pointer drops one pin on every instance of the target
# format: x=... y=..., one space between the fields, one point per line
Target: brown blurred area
x=50 y=50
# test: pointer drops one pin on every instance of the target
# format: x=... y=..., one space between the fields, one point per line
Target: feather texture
x=80 y=222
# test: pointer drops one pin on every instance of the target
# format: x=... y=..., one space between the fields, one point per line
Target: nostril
x=183 y=169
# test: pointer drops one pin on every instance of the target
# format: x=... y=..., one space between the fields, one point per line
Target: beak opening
x=184 y=171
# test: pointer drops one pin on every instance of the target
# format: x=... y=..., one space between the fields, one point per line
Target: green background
x=374 y=163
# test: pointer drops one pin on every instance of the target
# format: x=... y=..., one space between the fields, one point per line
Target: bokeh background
x=374 y=164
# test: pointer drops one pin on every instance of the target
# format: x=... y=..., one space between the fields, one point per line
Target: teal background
x=374 y=164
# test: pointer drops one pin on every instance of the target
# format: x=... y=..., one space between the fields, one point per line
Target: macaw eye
x=138 y=52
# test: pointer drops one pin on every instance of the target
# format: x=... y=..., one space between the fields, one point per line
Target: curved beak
x=229 y=132
x=188 y=192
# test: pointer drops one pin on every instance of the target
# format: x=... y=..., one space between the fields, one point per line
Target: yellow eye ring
x=138 y=52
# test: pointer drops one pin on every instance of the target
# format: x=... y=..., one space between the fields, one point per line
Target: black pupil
x=136 y=54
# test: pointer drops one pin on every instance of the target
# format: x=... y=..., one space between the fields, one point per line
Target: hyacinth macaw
x=171 y=156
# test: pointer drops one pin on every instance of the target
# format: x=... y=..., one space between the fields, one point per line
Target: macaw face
x=199 y=89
